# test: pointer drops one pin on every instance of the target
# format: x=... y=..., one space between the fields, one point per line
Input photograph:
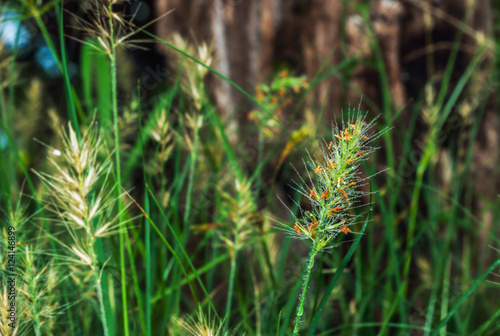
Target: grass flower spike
x=203 y=325
x=332 y=186
x=83 y=202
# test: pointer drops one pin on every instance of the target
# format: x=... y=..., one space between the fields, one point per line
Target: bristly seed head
x=336 y=178
x=80 y=193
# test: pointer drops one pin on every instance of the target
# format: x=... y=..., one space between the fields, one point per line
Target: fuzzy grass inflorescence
x=83 y=202
x=333 y=187
x=203 y=325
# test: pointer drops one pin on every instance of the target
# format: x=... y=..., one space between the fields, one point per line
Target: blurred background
x=428 y=69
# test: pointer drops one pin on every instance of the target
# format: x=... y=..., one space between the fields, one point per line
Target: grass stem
x=114 y=98
x=232 y=273
x=300 y=308
x=102 y=303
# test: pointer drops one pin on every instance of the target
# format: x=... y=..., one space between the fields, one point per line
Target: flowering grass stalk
x=239 y=209
x=112 y=30
x=332 y=187
x=203 y=325
x=83 y=203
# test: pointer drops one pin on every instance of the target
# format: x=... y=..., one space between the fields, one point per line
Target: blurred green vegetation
x=197 y=193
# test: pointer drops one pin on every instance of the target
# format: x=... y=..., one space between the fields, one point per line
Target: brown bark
x=321 y=44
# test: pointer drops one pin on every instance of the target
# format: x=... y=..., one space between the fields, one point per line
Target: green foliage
x=160 y=224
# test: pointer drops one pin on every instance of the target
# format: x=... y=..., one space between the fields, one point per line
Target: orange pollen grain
x=297 y=229
x=330 y=145
x=274 y=100
x=338 y=137
x=282 y=93
x=364 y=138
x=361 y=154
x=318 y=169
x=351 y=184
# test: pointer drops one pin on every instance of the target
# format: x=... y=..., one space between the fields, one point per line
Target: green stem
x=114 y=95
x=101 y=300
x=231 y=288
x=300 y=308
x=38 y=323
x=192 y=168
x=149 y=289
x=100 y=294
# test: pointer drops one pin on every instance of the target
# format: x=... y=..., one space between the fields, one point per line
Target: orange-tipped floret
x=330 y=145
x=351 y=160
x=318 y=169
x=345 y=229
x=325 y=194
x=334 y=210
x=345 y=194
x=338 y=182
x=310 y=228
x=297 y=229
x=360 y=154
x=332 y=165
x=313 y=193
